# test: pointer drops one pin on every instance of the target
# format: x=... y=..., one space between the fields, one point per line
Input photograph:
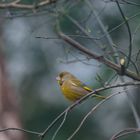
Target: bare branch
x=20 y=129
x=125 y=132
x=131 y=3
x=60 y=126
x=116 y=27
x=91 y=111
x=82 y=100
x=17 y=4
x=101 y=59
x=64 y=113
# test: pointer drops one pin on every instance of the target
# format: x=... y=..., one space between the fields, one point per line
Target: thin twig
x=129 y=33
x=17 y=4
x=20 y=129
x=91 y=111
x=116 y=27
x=136 y=30
x=83 y=30
x=131 y=3
x=95 y=38
x=60 y=126
x=109 y=39
x=137 y=56
x=125 y=132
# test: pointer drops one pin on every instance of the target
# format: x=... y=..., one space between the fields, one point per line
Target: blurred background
x=33 y=55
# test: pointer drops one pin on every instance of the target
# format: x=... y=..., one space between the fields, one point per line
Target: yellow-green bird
x=72 y=88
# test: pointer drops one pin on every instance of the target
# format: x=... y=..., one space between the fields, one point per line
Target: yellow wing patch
x=87 y=88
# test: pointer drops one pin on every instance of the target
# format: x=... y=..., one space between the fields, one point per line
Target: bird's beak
x=58 y=78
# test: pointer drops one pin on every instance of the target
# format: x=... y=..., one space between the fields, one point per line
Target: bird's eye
x=61 y=75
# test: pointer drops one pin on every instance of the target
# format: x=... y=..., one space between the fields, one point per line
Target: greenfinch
x=72 y=88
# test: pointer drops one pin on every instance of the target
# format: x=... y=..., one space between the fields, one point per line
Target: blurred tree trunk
x=9 y=107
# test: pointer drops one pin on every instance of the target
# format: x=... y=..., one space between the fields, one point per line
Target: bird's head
x=63 y=76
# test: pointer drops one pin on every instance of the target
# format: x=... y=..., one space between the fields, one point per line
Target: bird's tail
x=99 y=96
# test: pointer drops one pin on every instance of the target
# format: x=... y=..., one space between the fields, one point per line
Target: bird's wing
x=81 y=85
x=83 y=88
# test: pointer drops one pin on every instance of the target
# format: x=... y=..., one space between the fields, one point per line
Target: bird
x=72 y=88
